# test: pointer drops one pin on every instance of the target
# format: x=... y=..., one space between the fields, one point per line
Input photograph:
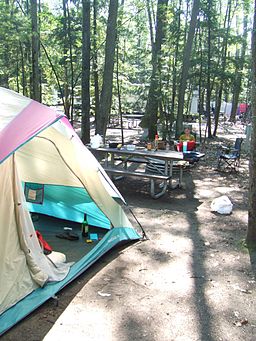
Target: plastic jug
x=96 y=141
x=185 y=146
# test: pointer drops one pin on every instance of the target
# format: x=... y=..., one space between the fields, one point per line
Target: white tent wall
x=23 y=266
x=39 y=161
x=15 y=278
x=41 y=268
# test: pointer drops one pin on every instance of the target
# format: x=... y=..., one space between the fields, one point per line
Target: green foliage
x=134 y=46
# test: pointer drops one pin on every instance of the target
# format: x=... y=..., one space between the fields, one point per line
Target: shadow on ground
x=39 y=322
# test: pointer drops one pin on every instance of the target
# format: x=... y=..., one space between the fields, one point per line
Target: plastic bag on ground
x=222 y=205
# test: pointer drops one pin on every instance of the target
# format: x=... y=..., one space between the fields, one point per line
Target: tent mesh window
x=34 y=193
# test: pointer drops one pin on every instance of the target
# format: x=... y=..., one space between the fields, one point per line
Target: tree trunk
x=223 y=65
x=95 y=60
x=66 y=90
x=186 y=65
x=55 y=74
x=4 y=74
x=174 y=69
x=151 y=113
x=85 y=134
x=251 y=231
x=17 y=72
x=35 y=86
x=72 y=82
x=23 y=72
x=200 y=108
x=150 y=23
x=118 y=83
x=119 y=94
x=107 y=85
x=238 y=74
x=217 y=108
x=208 y=84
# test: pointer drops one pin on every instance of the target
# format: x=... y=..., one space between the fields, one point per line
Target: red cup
x=179 y=146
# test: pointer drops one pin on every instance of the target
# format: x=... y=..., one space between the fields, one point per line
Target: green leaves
x=64 y=46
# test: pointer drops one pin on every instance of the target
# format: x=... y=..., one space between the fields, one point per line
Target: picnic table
x=124 y=162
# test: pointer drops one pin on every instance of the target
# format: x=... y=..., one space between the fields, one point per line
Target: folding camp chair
x=229 y=157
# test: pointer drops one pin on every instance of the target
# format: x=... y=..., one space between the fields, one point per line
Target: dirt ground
x=193 y=279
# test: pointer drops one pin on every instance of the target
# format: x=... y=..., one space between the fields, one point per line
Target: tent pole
x=144 y=235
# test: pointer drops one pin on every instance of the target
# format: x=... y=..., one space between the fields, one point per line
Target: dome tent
x=43 y=159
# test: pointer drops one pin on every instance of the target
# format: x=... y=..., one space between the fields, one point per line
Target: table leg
x=155 y=195
x=112 y=160
x=125 y=161
x=166 y=170
x=180 y=176
x=106 y=160
x=170 y=169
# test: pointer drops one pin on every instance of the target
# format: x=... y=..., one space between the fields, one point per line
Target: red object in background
x=243 y=108
x=190 y=146
x=44 y=245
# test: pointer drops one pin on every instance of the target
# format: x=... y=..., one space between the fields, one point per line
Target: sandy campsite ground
x=191 y=280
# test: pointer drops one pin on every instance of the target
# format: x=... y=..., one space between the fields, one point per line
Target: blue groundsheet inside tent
x=39 y=296
x=69 y=203
x=54 y=230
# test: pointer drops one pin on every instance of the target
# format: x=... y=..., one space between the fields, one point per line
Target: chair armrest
x=234 y=150
x=224 y=148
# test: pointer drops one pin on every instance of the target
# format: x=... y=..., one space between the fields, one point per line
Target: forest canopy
x=103 y=57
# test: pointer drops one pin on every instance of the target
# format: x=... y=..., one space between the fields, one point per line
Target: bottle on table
x=156 y=142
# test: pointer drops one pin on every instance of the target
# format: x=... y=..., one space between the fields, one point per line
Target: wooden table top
x=158 y=154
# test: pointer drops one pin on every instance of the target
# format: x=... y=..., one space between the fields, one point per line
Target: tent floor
x=74 y=250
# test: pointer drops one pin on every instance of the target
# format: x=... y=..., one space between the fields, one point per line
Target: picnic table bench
x=122 y=162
